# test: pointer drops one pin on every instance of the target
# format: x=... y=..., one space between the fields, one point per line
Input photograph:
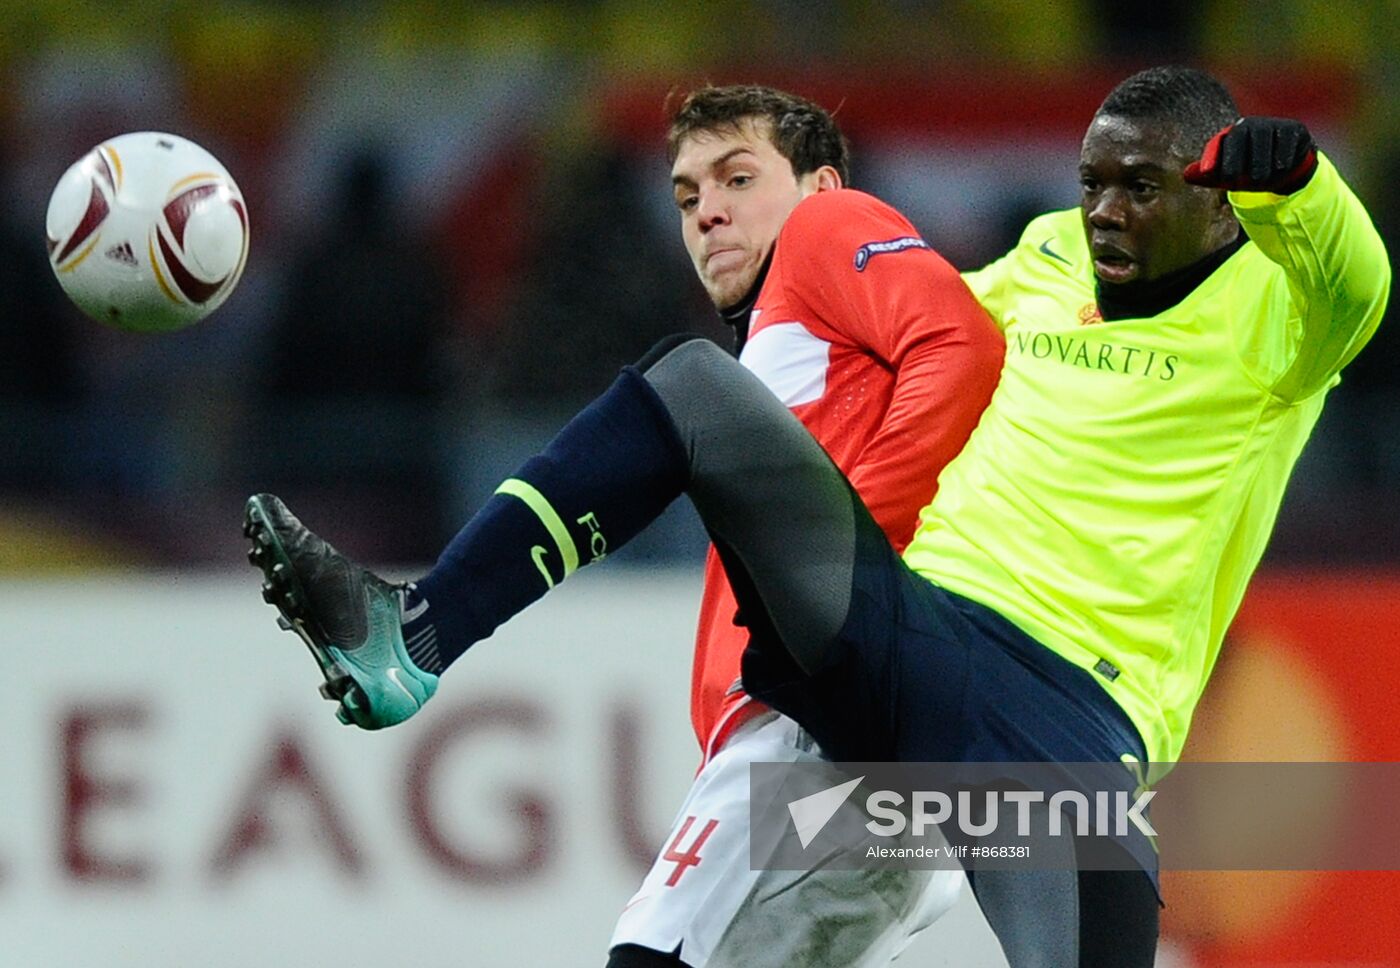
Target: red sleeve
x=862 y=269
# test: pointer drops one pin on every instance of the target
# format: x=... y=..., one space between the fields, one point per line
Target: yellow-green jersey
x=1122 y=484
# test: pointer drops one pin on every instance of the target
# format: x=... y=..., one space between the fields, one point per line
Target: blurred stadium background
x=461 y=227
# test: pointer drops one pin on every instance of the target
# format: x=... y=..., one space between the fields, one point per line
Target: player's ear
x=828 y=178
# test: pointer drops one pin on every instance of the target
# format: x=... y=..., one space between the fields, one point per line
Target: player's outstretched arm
x=1295 y=206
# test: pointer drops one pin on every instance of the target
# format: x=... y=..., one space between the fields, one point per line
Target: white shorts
x=702 y=897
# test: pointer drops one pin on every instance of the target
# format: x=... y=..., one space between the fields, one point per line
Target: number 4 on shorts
x=691 y=856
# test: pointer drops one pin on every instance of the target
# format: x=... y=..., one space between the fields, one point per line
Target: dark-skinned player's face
x=1143 y=221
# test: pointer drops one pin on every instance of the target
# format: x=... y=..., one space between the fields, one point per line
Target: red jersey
x=878 y=347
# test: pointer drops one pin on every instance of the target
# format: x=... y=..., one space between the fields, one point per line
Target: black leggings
x=1070 y=919
x=766 y=491
x=635 y=956
x=788 y=527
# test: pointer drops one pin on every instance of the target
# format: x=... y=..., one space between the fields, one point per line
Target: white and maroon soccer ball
x=147 y=232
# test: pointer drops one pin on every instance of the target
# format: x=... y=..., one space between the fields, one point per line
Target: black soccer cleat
x=350 y=619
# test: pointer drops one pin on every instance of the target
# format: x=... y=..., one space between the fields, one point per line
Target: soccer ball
x=147 y=232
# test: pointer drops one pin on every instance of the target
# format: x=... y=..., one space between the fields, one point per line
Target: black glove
x=1257 y=155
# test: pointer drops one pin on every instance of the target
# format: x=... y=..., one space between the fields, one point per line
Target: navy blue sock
x=605 y=477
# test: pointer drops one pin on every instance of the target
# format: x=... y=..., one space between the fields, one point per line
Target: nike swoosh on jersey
x=1045 y=247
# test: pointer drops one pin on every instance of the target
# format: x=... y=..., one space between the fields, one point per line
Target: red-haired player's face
x=734 y=192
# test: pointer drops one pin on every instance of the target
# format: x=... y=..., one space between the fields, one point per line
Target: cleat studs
x=269 y=593
x=255 y=554
x=343 y=716
x=283 y=623
x=338 y=688
x=291 y=601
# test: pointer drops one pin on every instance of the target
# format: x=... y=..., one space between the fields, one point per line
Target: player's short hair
x=803 y=132
x=1197 y=103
